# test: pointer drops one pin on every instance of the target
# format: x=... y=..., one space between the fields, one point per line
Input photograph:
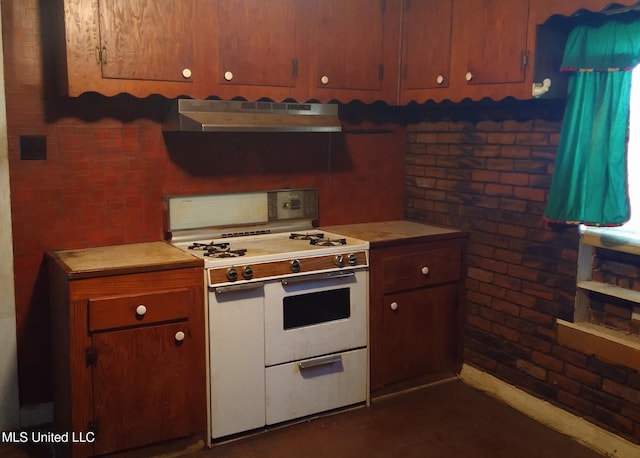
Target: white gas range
x=287 y=306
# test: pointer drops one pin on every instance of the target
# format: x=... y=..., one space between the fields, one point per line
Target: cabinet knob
x=141 y=310
x=440 y=79
x=394 y=305
x=228 y=76
x=186 y=73
x=425 y=270
x=179 y=336
x=324 y=79
x=468 y=76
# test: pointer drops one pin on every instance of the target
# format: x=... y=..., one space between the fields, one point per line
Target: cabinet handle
x=141 y=310
x=179 y=336
x=468 y=76
x=186 y=73
x=425 y=270
x=320 y=362
x=228 y=76
x=440 y=79
x=394 y=305
x=324 y=79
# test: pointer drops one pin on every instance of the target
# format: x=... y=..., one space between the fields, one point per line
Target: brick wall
x=619 y=269
x=492 y=178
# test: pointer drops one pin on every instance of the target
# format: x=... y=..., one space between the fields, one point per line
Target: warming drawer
x=315 y=385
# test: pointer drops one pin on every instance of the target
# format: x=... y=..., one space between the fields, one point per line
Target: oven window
x=315 y=308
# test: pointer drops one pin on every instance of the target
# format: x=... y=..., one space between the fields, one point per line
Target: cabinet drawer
x=421 y=269
x=132 y=310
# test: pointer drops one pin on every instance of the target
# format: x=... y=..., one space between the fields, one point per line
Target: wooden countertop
x=123 y=259
x=394 y=232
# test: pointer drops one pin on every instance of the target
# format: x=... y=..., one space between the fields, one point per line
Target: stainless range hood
x=189 y=115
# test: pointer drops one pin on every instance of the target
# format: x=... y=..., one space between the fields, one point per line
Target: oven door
x=315 y=315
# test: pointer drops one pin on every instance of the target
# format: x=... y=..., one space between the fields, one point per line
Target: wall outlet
x=33 y=147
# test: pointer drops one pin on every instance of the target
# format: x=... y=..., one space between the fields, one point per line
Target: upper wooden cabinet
x=260 y=49
x=157 y=30
x=426 y=45
x=133 y=46
x=396 y=51
x=490 y=39
x=464 y=48
x=354 y=49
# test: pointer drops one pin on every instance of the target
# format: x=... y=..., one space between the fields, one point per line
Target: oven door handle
x=325 y=361
x=329 y=276
x=243 y=287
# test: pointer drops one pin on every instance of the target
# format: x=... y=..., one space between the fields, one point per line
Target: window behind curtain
x=633 y=153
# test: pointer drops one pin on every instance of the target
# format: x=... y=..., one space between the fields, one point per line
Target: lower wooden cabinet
x=129 y=358
x=417 y=294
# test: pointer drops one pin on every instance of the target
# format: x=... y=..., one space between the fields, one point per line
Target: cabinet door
x=146 y=40
x=132 y=46
x=490 y=39
x=419 y=335
x=147 y=386
x=354 y=47
x=258 y=44
x=426 y=44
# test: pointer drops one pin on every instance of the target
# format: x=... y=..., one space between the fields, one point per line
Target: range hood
x=190 y=115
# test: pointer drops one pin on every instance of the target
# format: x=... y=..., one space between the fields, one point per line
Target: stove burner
x=328 y=242
x=226 y=253
x=217 y=250
x=307 y=236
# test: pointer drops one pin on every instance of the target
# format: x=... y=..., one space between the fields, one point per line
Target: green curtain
x=589 y=183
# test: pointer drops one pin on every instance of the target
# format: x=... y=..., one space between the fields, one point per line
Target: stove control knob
x=232 y=274
x=295 y=265
x=353 y=259
x=339 y=260
x=247 y=272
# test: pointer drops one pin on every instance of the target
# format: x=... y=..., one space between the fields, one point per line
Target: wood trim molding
x=606 y=344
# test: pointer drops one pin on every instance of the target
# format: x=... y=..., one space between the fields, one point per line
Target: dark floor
x=447 y=420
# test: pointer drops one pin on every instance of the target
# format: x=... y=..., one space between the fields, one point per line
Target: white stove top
x=272 y=247
x=258 y=226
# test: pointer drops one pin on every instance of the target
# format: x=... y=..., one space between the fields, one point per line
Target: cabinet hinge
x=380 y=72
x=101 y=55
x=294 y=67
x=93 y=426
x=525 y=59
x=91 y=356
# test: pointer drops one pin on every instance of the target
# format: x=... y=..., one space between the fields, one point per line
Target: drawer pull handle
x=141 y=310
x=425 y=270
x=179 y=336
x=320 y=362
x=394 y=306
